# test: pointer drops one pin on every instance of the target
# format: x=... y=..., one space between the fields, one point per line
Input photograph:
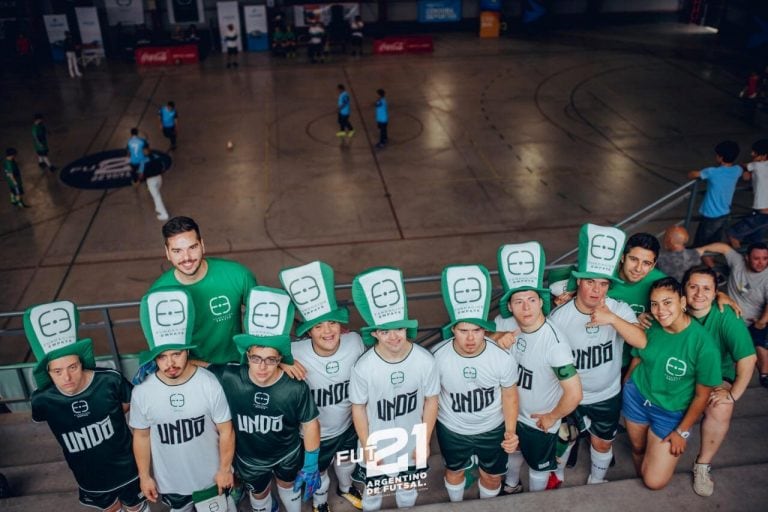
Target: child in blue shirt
x=168 y=119
x=716 y=206
x=382 y=117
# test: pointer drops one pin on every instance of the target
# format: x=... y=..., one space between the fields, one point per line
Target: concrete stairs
x=39 y=478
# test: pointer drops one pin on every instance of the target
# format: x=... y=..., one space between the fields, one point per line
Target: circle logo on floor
x=108 y=169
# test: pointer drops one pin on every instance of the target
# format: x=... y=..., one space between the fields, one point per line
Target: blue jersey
x=168 y=117
x=382 y=115
x=136 y=147
x=344 y=103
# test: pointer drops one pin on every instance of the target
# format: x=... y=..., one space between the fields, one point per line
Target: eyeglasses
x=69 y=369
x=269 y=361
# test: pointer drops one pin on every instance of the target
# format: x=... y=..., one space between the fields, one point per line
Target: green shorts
x=458 y=449
x=603 y=417
x=344 y=442
x=257 y=478
x=128 y=494
x=176 y=501
x=538 y=447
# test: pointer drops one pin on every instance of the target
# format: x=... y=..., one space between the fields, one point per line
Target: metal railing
x=427 y=334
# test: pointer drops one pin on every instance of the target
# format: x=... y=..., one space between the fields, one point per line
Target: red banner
x=167 y=55
x=403 y=44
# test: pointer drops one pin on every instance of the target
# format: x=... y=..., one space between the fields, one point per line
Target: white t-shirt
x=759 y=172
x=394 y=393
x=470 y=387
x=328 y=380
x=597 y=351
x=183 y=435
x=230 y=36
x=537 y=355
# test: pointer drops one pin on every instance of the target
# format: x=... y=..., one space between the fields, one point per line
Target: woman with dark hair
x=669 y=384
x=738 y=363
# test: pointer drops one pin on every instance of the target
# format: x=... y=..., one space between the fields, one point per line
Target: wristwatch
x=683 y=433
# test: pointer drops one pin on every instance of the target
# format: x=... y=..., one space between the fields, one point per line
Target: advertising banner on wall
x=229 y=15
x=490 y=5
x=303 y=13
x=439 y=11
x=90 y=30
x=185 y=11
x=56 y=26
x=257 y=35
x=127 y=12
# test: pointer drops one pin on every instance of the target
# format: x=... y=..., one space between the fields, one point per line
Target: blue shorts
x=759 y=338
x=641 y=411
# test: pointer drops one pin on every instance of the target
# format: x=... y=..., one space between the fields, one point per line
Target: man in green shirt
x=218 y=287
x=40 y=140
x=12 y=175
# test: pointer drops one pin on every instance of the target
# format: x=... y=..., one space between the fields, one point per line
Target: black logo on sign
x=181 y=431
x=400 y=406
x=594 y=356
x=332 y=395
x=108 y=169
x=472 y=401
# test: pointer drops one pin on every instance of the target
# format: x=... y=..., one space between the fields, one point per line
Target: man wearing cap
x=547 y=383
x=596 y=327
x=393 y=389
x=182 y=427
x=328 y=355
x=85 y=409
x=477 y=408
x=218 y=288
x=271 y=411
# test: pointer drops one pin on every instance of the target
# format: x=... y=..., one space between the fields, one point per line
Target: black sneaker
x=352 y=496
x=323 y=507
x=53 y=168
x=764 y=380
x=507 y=490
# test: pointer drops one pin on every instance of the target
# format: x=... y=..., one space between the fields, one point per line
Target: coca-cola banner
x=403 y=44
x=127 y=12
x=439 y=11
x=303 y=13
x=166 y=55
x=185 y=11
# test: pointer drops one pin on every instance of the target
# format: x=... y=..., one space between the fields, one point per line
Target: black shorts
x=458 y=449
x=343 y=442
x=232 y=51
x=257 y=478
x=538 y=447
x=169 y=131
x=41 y=152
x=129 y=495
x=604 y=417
x=176 y=500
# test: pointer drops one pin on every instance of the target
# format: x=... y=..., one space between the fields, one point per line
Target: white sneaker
x=591 y=480
x=702 y=483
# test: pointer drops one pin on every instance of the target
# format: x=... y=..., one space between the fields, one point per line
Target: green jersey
x=672 y=364
x=731 y=335
x=91 y=429
x=12 y=173
x=40 y=137
x=218 y=298
x=637 y=295
x=267 y=420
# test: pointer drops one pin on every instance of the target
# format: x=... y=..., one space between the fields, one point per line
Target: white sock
x=537 y=480
x=488 y=493
x=321 y=495
x=514 y=463
x=261 y=505
x=344 y=476
x=291 y=500
x=455 y=491
x=406 y=498
x=371 y=501
x=560 y=471
x=600 y=463
x=47 y=162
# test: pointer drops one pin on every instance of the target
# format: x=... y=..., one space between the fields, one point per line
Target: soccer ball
x=230 y=146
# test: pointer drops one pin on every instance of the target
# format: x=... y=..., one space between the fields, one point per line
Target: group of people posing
x=225 y=401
